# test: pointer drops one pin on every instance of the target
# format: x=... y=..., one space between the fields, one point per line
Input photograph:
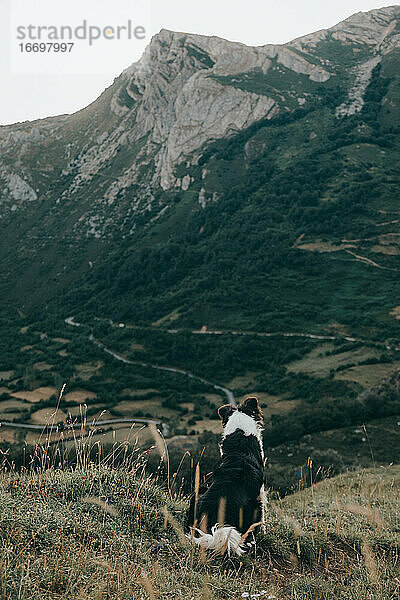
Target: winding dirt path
x=368 y=261
x=216 y=386
x=58 y=427
x=229 y=394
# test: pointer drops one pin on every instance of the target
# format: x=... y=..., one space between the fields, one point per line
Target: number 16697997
x=46 y=47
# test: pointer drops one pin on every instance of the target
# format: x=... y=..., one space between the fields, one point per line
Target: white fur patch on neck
x=239 y=420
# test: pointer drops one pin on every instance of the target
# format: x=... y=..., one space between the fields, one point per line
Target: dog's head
x=247 y=417
x=249 y=406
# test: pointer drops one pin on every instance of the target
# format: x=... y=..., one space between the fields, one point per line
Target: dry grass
x=8 y=406
x=203 y=425
x=103 y=413
x=86 y=370
x=97 y=532
x=42 y=366
x=134 y=435
x=6 y=375
x=319 y=362
x=100 y=533
x=368 y=375
x=390 y=250
x=130 y=408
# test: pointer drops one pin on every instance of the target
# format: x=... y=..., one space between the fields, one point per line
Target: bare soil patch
x=320 y=246
x=42 y=366
x=79 y=396
x=42 y=393
x=49 y=415
x=6 y=375
x=367 y=375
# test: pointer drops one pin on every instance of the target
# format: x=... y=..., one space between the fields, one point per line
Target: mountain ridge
x=177 y=134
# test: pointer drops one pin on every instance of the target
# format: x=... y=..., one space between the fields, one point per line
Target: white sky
x=29 y=95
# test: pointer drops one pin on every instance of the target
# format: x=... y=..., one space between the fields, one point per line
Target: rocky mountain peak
x=201 y=136
x=186 y=91
x=377 y=28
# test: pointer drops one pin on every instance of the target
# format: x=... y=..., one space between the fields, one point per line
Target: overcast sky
x=41 y=85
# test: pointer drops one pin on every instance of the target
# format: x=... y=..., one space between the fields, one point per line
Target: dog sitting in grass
x=221 y=517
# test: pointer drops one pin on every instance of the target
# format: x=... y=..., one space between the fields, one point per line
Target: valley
x=157 y=376
x=222 y=221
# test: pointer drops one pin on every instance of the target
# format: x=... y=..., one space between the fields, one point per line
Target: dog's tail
x=221 y=539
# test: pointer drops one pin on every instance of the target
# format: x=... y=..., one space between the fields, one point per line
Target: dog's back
x=234 y=500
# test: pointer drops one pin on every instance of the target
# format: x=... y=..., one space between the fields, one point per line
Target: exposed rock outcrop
x=112 y=158
x=355 y=100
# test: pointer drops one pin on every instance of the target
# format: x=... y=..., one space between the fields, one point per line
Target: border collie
x=233 y=505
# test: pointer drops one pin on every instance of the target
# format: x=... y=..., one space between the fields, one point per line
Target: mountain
x=251 y=187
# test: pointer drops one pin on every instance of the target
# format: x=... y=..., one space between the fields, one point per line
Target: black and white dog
x=233 y=503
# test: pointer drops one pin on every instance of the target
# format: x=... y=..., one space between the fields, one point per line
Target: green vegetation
x=201 y=56
x=238 y=263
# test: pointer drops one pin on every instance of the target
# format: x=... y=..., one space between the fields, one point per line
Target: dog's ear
x=251 y=407
x=225 y=412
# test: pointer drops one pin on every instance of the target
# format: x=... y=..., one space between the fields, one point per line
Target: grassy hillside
x=100 y=533
x=299 y=230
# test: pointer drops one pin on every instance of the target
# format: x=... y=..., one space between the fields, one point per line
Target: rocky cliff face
x=115 y=156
